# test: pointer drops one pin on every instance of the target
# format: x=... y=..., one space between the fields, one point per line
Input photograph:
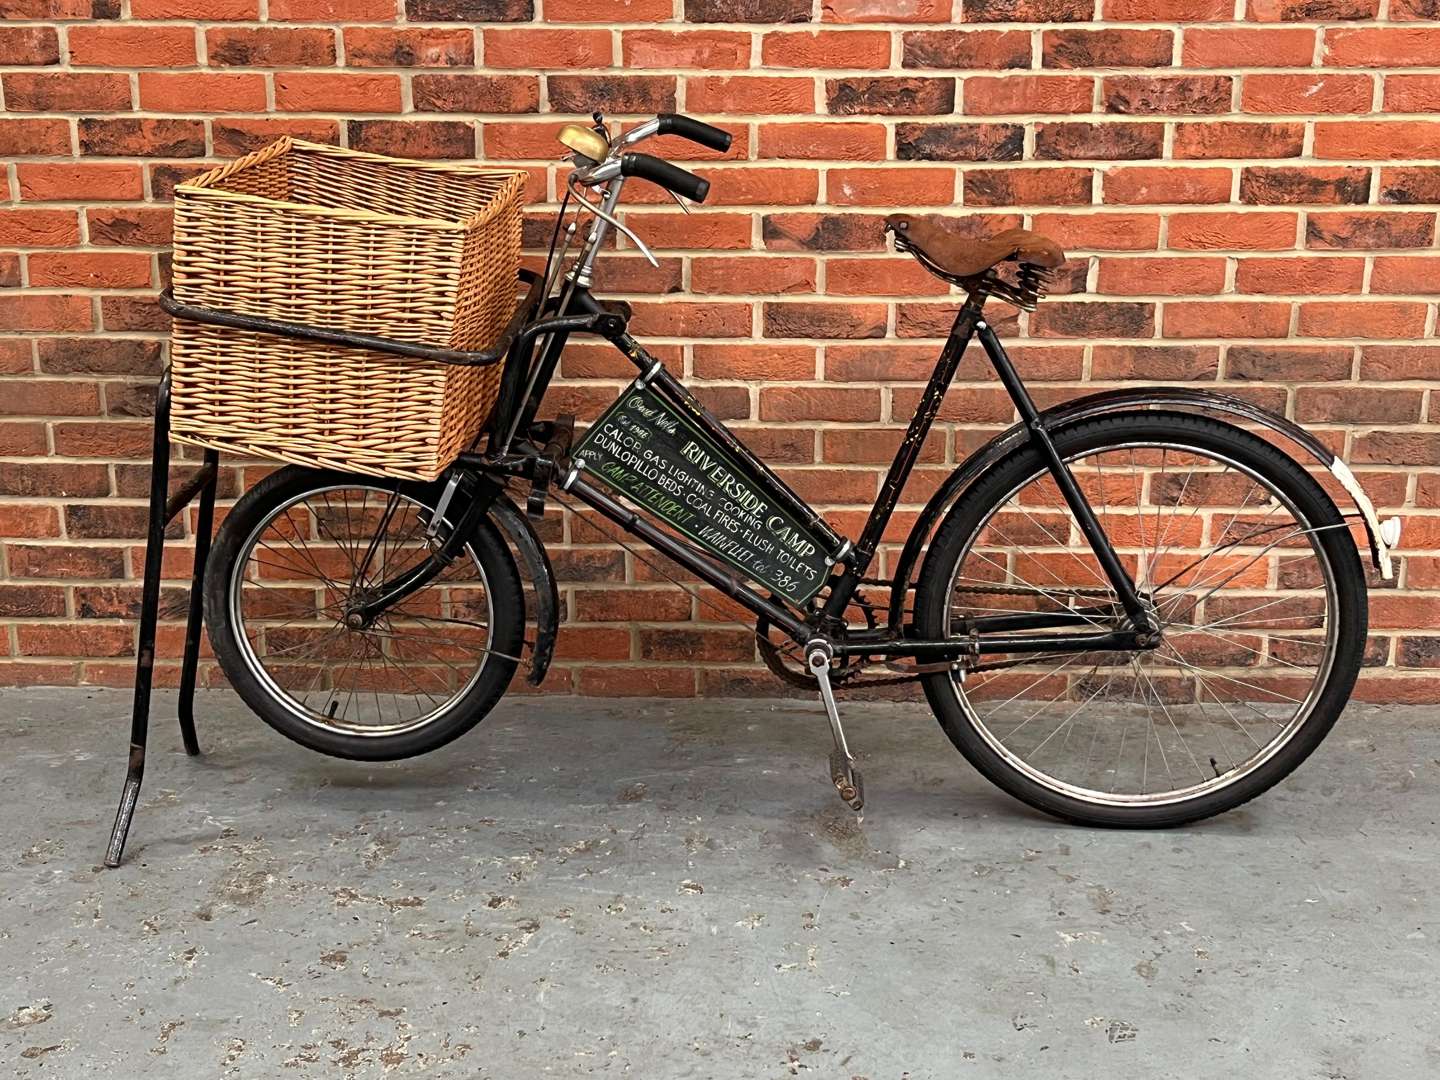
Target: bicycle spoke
x=1205 y=686
x=1265 y=551
x=1065 y=723
x=1162 y=544
x=1005 y=538
x=1225 y=531
x=410 y=678
x=1171 y=721
x=311 y=644
x=304 y=549
x=390 y=677
x=1211 y=534
x=1157 y=492
x=391 y=502
x=300 y=568
x=1124 y=733
x=1095 y=733
x=1037 y=589
x=1138 y=486
x=1230 y=619
x=1025 y=689
x=1068 y=549
x=1240 y=644
x=1242 y=682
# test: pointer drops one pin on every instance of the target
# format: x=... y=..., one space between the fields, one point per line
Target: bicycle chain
x=853 y=676
x=849 y=676
x=1014 y=590
x=844 y=676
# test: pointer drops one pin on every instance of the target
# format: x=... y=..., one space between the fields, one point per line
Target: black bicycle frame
x=996 y=634
x=530 y=348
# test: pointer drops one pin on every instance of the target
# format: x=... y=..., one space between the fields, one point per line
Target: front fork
x=477 y=494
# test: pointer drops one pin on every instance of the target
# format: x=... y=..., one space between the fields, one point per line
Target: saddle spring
x=1030 y=284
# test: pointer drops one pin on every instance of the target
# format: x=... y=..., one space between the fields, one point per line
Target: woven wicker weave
x=417 y=251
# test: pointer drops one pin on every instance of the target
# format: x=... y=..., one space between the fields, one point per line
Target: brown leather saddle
x=948 y=253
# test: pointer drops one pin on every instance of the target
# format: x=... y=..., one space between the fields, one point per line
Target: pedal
x=843 y=773
x=847 y=780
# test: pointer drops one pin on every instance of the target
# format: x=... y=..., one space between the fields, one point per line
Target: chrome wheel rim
x=404 y=672
x=1062 y=697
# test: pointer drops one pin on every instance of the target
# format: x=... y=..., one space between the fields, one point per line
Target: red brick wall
x=1249 y=188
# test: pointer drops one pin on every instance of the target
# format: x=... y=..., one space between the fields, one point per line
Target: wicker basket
x=417 y=251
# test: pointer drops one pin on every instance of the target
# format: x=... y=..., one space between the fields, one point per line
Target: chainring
x=789 y=667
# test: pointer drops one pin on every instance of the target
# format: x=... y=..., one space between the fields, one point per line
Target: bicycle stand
x=163 y=510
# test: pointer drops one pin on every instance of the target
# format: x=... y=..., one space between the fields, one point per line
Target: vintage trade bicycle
x=1124 y=610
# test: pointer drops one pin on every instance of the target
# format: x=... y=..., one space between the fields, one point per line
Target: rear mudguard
x=517 y=529
x=1383 y=535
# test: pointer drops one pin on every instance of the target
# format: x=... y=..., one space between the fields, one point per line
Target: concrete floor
x=671 y=890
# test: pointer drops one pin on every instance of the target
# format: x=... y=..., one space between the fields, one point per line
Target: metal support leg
x=843 y=773
x=204 y=525
x=149 y=614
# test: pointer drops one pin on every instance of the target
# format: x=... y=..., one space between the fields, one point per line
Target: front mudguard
x=516 y=528
x=1383 y=536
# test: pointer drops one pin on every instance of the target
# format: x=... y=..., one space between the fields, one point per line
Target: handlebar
x=697 y=131
x=620 y=161
x=607 y=161
x=671 y=177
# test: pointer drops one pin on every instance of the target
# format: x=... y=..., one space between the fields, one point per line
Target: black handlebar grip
x=695 y=130
x=671 y=177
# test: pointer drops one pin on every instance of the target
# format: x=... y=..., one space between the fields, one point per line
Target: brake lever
x=600 y=213
x=678 y=200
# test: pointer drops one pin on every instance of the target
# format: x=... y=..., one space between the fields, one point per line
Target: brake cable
x=605 y=216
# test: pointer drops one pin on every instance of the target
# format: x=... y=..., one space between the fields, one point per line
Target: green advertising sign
x=649 y=450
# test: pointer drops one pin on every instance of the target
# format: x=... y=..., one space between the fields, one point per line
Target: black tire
x=1310 y=504
x=457 y=716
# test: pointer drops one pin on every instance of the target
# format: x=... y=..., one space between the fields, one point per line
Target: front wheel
x=288 y=561
x=1239 y=555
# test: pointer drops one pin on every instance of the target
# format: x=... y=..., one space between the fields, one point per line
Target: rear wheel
x=1243 y=560
x=290 y=557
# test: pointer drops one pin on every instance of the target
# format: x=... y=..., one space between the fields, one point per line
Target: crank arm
x=843 y=773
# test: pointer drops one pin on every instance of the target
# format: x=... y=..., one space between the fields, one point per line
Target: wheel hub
x=353 y=615
x=1155 y=638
